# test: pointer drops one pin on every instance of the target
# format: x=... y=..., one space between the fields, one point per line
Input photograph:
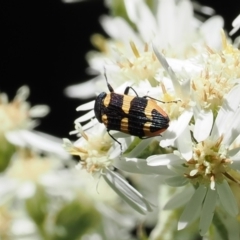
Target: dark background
x=44 y=46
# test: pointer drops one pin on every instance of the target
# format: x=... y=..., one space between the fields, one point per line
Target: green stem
x=220 y=227
x=43 y=233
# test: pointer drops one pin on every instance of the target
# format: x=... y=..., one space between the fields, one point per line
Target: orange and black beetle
x=137 y=116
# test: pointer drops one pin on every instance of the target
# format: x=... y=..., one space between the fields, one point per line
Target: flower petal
x=163 y=159
x=166 y=9
x=37 y=141
x=175 y=129
x=233 y=129
x=203 y=125
x=90 y=124
x=172 y=18
x=226 y=112
x=85 y=117
x=139 y=148
x=39 y=111
x=176 y=181
x=168 y=69
x=83 y=90
x=211 y=30
x=138 y=165
x=123 y=32
x=180 y=199
x=227 y=198
x=207 y=211
x=22 y=93
x=234 y=156
x=236 y=25
x=87 y=106
x=193 y=207
x=184 y=143
x=141 y=15
x=187 y=66
x=127 y=192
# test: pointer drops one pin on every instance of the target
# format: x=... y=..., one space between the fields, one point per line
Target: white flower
x=29 y=166
x=173 y=25
x=97 y=154
x=93 y=149
x=127 y=56
x=219 y=75
x=18 y=183
x=18 y=119
x=62 y=186
x=17 y=114
x=211 y=169
x=205 y=83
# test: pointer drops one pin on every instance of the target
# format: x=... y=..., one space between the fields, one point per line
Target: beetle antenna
x=160 y=100
x=108 y=85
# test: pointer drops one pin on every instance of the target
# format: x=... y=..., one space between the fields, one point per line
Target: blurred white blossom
x=182 y=184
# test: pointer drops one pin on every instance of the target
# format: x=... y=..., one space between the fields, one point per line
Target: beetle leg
x=127 y=90
x=115 y=139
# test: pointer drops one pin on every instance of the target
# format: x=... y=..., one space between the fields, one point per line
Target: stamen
x=226 y=160
x=130 y=64
x=92 y=168
x=134 y=49
x=219 y=142
x=193 y=172
x=145 y=47
x=154 y=57
x=209 y=50
x=231 y=178
x=163 y=88
x=193 y=86
x=223 y=59
x=79 y=149
x=80 y=130
x=224 y=40
x=192 y=161
x=212 y=183
x=99 y=42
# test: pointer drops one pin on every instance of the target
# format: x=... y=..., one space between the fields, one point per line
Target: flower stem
x=220 y=227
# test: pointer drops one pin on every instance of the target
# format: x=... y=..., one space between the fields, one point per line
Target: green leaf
x=133 y=144
x=151 y=4
x=220 y=227
x=6 y=152
x=118 y=9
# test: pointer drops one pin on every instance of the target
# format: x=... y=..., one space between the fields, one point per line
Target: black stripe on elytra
x=158 y=121
x=114 y=111
x=137 y=117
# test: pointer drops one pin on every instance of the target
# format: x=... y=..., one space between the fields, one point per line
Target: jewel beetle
x=134 y=115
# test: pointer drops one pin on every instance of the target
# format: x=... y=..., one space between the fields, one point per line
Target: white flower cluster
x=192 y=66
x=39 y=185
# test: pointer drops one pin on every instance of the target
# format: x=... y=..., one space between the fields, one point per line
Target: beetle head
x=98 y=107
